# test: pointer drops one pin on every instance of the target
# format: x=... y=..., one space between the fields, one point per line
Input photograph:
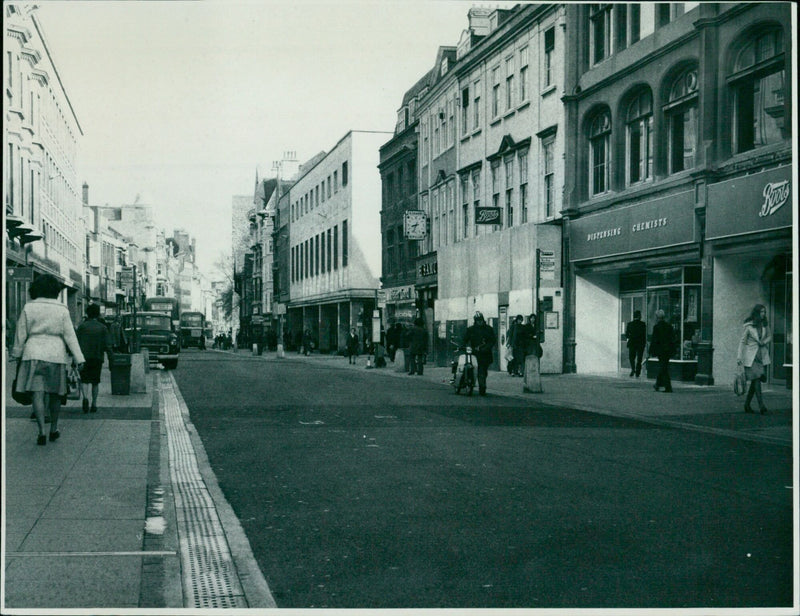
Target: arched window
x=639 y=138
x=759 y=84
x=599 y=153
x=681 y=115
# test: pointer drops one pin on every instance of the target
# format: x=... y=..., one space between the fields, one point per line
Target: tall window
x=759 y=87
x=476 y=192
x=424 y=142
x=599 y=141
x=509 y=169
x=390 y=264
x=465 y=110
x=328 y=259
x=344 y=173
x=435 y=144
x=476 y=106
x=465 y=205
x=600 y=31
x=681 y=114
x=510 y=83
x=451 y=125
x=344 y=243
x=495 y=171
x=549 y=177
x=495 y=92
x=549 y=48
x=639 y=129
x=523 y=74
x=523 y=186
x=335 y=247
x=322 y=252
x=336 y=181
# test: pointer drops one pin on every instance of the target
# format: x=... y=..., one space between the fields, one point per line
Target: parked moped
x=463 y=367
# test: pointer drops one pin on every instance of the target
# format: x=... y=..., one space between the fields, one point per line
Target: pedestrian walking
x=516 y=345
x=417 y=346
x=43 y=342
x=636 y=335
x=662 y=346
x=530 y=336
x=393 y=340
x=351 y=346
x=753 y=354
x=481 y=337
x=307 y=343
x=95 y=341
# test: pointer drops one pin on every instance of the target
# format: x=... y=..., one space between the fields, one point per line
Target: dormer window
x=444 y=66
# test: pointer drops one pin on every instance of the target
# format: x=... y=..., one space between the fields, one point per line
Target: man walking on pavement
x=636 y=335
x=480 y=337
x=418 y=346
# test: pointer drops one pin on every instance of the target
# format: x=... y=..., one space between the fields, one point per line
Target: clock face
x=416 y=225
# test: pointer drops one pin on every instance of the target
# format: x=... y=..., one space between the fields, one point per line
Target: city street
x=368 y=489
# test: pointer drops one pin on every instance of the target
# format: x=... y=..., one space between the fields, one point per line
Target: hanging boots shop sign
x=750 y=204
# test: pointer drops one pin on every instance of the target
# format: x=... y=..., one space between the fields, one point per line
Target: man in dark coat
x=418 y=346
x=96 y=342
x=636 y=335
x=662 y=346
x=481 y=338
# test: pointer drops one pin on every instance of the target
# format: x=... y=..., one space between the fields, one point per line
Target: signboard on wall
x=487 y=216
x=750 y=204
x=660 y=223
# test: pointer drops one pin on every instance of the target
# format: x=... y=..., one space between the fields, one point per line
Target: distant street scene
x=385 y=306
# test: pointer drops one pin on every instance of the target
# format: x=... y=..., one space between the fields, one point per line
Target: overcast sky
x=181 y=102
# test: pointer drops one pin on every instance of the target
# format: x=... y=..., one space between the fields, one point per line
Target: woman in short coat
x=43 y=342
x=753 y=354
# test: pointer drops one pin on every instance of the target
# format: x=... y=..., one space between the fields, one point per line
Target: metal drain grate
x=209 y=574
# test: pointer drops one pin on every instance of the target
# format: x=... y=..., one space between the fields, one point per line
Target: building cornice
x=33 y=56
x=41 y=76
x=21 y=33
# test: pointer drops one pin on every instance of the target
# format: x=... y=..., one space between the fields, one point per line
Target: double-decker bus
x=193 y=325
x=167 y=305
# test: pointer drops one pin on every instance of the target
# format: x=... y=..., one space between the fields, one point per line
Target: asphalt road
x=364 y=490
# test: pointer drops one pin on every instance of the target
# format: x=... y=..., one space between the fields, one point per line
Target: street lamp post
x=277 y=165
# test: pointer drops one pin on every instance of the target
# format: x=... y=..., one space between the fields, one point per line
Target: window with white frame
x=548 y=171
x=495 y=91
x=523 y=74
x=451 y=125
x=523 y=186
x=465 y=110
x=599 y=31
x=510 y=83
x=464 y=205
x=451 y=208
x=549 y=49
x=759 y=88
x=681 y=115
x=508 y=164
x=476 y=192
x=639 y=138
x=599 y=152
x=495 y=171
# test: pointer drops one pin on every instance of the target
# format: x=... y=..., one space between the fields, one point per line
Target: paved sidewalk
x=712 y=409
x=75 y=511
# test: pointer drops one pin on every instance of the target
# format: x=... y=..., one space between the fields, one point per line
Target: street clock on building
x=415 y=225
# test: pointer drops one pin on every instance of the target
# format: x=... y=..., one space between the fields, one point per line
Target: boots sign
x=487 y=216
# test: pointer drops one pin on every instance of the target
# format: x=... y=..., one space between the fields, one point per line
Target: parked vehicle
x=464 y=366
x=193 y=330
x=156 y=334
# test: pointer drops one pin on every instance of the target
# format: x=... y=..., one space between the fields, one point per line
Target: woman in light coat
x=753 y=354
x=43 y=342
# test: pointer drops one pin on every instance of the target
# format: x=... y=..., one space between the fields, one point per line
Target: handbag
x=24 y=398
x=740 y=383
x=509 y=354
x=74 y=388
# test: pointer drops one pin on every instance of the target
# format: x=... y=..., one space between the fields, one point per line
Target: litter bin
x=120 y=367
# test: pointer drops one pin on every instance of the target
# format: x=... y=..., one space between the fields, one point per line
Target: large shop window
x=758 y=84
x=676 y=291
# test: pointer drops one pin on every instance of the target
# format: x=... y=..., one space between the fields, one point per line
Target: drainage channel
x=208 y=571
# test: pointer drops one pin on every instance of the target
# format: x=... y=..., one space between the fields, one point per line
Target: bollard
x=255 y=349
x=533 y=380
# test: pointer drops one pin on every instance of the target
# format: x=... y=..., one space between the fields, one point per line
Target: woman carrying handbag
x=754 y=356
x=43 y=342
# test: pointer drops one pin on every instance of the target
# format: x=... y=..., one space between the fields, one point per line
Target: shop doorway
x=780 y=321
x=629 y=303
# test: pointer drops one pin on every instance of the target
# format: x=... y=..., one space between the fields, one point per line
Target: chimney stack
x=85 y=193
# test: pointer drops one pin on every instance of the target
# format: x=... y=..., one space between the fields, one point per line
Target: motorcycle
x=463 y=367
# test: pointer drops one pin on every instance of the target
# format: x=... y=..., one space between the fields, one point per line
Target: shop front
x=643 y=257
x=749 y=237
x=427 y=291
x=400 y=305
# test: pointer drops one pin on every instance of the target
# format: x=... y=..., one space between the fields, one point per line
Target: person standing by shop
x=481 y=337
x=96 y=342
x=43 y=342
x=662 y=347
x=352 y=346
x=418 y=346
x=636 y=335
x=753 y=354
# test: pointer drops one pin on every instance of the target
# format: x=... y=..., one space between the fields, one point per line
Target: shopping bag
x=20 y=397
x=74 y=388
x=740 y=383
